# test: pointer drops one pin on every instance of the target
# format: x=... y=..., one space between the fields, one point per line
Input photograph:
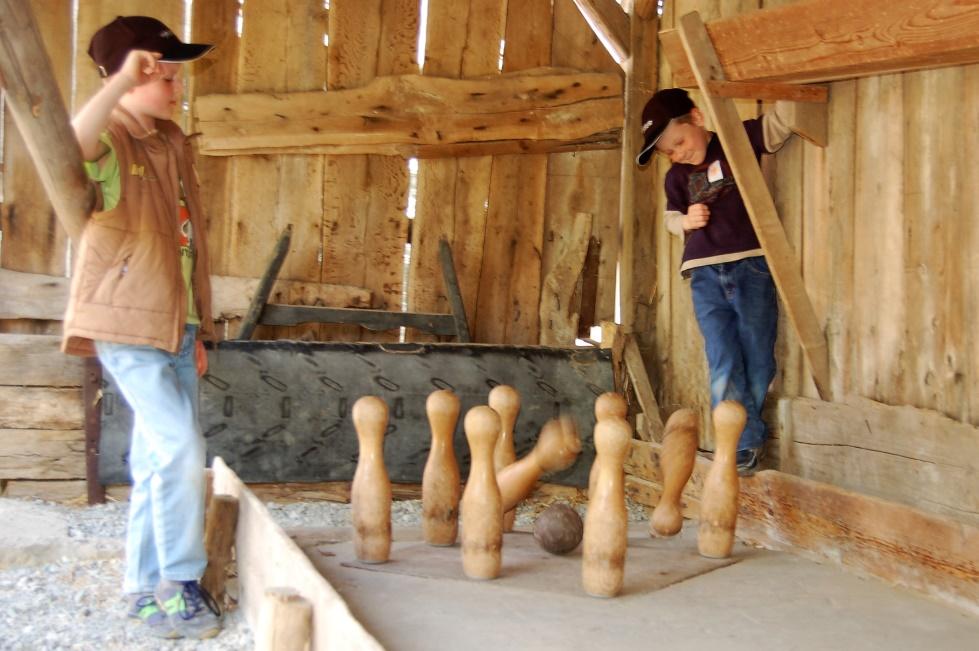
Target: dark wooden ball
x=558 y=529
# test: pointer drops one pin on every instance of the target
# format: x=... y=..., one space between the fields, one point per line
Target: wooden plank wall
x=884 y=222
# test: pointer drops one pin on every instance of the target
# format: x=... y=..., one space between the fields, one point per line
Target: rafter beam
x=610 y=24
x=821 y=40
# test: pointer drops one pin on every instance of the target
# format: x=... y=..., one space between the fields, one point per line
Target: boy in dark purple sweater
x=733 y=293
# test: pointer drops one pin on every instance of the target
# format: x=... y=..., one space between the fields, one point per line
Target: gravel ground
x=66 y=594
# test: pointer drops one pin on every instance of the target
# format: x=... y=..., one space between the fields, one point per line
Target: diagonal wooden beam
x=610 y=24
x=39 y=111
x=757 y=199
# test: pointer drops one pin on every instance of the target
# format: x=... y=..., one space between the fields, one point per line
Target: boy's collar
x=133 y=125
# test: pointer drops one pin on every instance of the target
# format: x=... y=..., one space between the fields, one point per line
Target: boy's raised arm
x=139 y=68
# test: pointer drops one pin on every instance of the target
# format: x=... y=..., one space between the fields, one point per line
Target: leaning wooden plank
x=32 y=239
x=42 y=454
x=636 y=368
x=897 y=543
x=761 y=209
x=41 y=408
x=410 y=113
x=820 y=40
x=875 y=448
x=42 y=119
x=37 y=360
x=267 y=557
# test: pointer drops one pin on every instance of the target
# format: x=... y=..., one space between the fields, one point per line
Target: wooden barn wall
x=884 y=223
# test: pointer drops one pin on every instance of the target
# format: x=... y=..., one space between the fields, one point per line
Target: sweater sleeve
x=775 y=129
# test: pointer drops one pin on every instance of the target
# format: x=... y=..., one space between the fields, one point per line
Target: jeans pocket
x=757 y=265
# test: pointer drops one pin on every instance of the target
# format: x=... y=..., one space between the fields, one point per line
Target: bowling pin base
x=367 y=561
x=713 y=542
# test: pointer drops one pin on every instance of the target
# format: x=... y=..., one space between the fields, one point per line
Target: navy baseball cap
x=656 y=116
x=111 y=44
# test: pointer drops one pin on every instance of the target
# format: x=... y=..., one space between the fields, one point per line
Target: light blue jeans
x=737 y=310
x=165 y=537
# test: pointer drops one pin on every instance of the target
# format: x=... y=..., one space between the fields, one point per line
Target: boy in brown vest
x=140 y=300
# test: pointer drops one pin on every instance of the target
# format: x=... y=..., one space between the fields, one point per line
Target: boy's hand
x=697 y=216
x=141 y=67
x=200 y=356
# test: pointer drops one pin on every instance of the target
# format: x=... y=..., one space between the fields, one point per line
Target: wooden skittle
x=719 y=501
x=440 y=480
x=370 y=492
x=505 y=401
x=676 y=462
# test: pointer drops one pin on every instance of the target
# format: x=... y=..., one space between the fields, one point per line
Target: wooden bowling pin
x=557 y=447
x=482 y=509
x=676 y=461
x=609 y=404
x=607 y=521
x=505 y=401
x=370 y=493
x=719 y=501
x=440 y=480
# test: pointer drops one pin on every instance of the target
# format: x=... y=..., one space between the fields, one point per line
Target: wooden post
x=285 y=622
x=219 y=538
x=636 y=193
x=92 y=397
x=41 y=116
x=757 y=199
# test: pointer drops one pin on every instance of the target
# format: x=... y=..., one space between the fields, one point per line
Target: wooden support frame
x=42 y=119
x=899 y=544
x=761 y=208
x=822 y=40
x=268 y=558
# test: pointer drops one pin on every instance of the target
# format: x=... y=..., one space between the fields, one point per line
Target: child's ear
x=697 y=116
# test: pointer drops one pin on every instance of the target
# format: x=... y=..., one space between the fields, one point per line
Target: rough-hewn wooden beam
x=610 y=24
x=409 y=114
x=761 y=208
x=769 y=91
x=39 y=296
x=820 y=40
x=899 y=544
x=39 y=111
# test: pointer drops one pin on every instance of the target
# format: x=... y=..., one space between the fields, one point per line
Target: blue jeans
x=737 y=310
x=165 y=536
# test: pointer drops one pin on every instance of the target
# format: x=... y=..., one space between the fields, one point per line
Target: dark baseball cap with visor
x=111 y=44
x=660 y=110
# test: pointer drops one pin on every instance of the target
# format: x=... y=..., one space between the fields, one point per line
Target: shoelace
x=196 y=598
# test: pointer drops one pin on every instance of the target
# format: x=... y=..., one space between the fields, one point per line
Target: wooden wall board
x=42 y=454
x=281 y=49
x=507 y=310
x=33 y=240
x=216 y=22
x=462 y=40
x=267 y=557
x=37 y=360
x=969 y=243
x=876 y=449
x=585 y=181
x=365 y=197
x=52 y=408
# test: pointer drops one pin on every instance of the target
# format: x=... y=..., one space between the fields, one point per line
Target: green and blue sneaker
x=143 y=608
x=188 y=607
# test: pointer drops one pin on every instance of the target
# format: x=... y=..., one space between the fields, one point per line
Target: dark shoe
x=191 y=611
x=143 y=608
x=747 y=461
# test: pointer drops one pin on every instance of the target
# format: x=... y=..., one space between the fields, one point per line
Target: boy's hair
x=666 y=105
x=111 y=44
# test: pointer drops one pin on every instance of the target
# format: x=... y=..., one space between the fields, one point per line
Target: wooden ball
x=558 y=529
